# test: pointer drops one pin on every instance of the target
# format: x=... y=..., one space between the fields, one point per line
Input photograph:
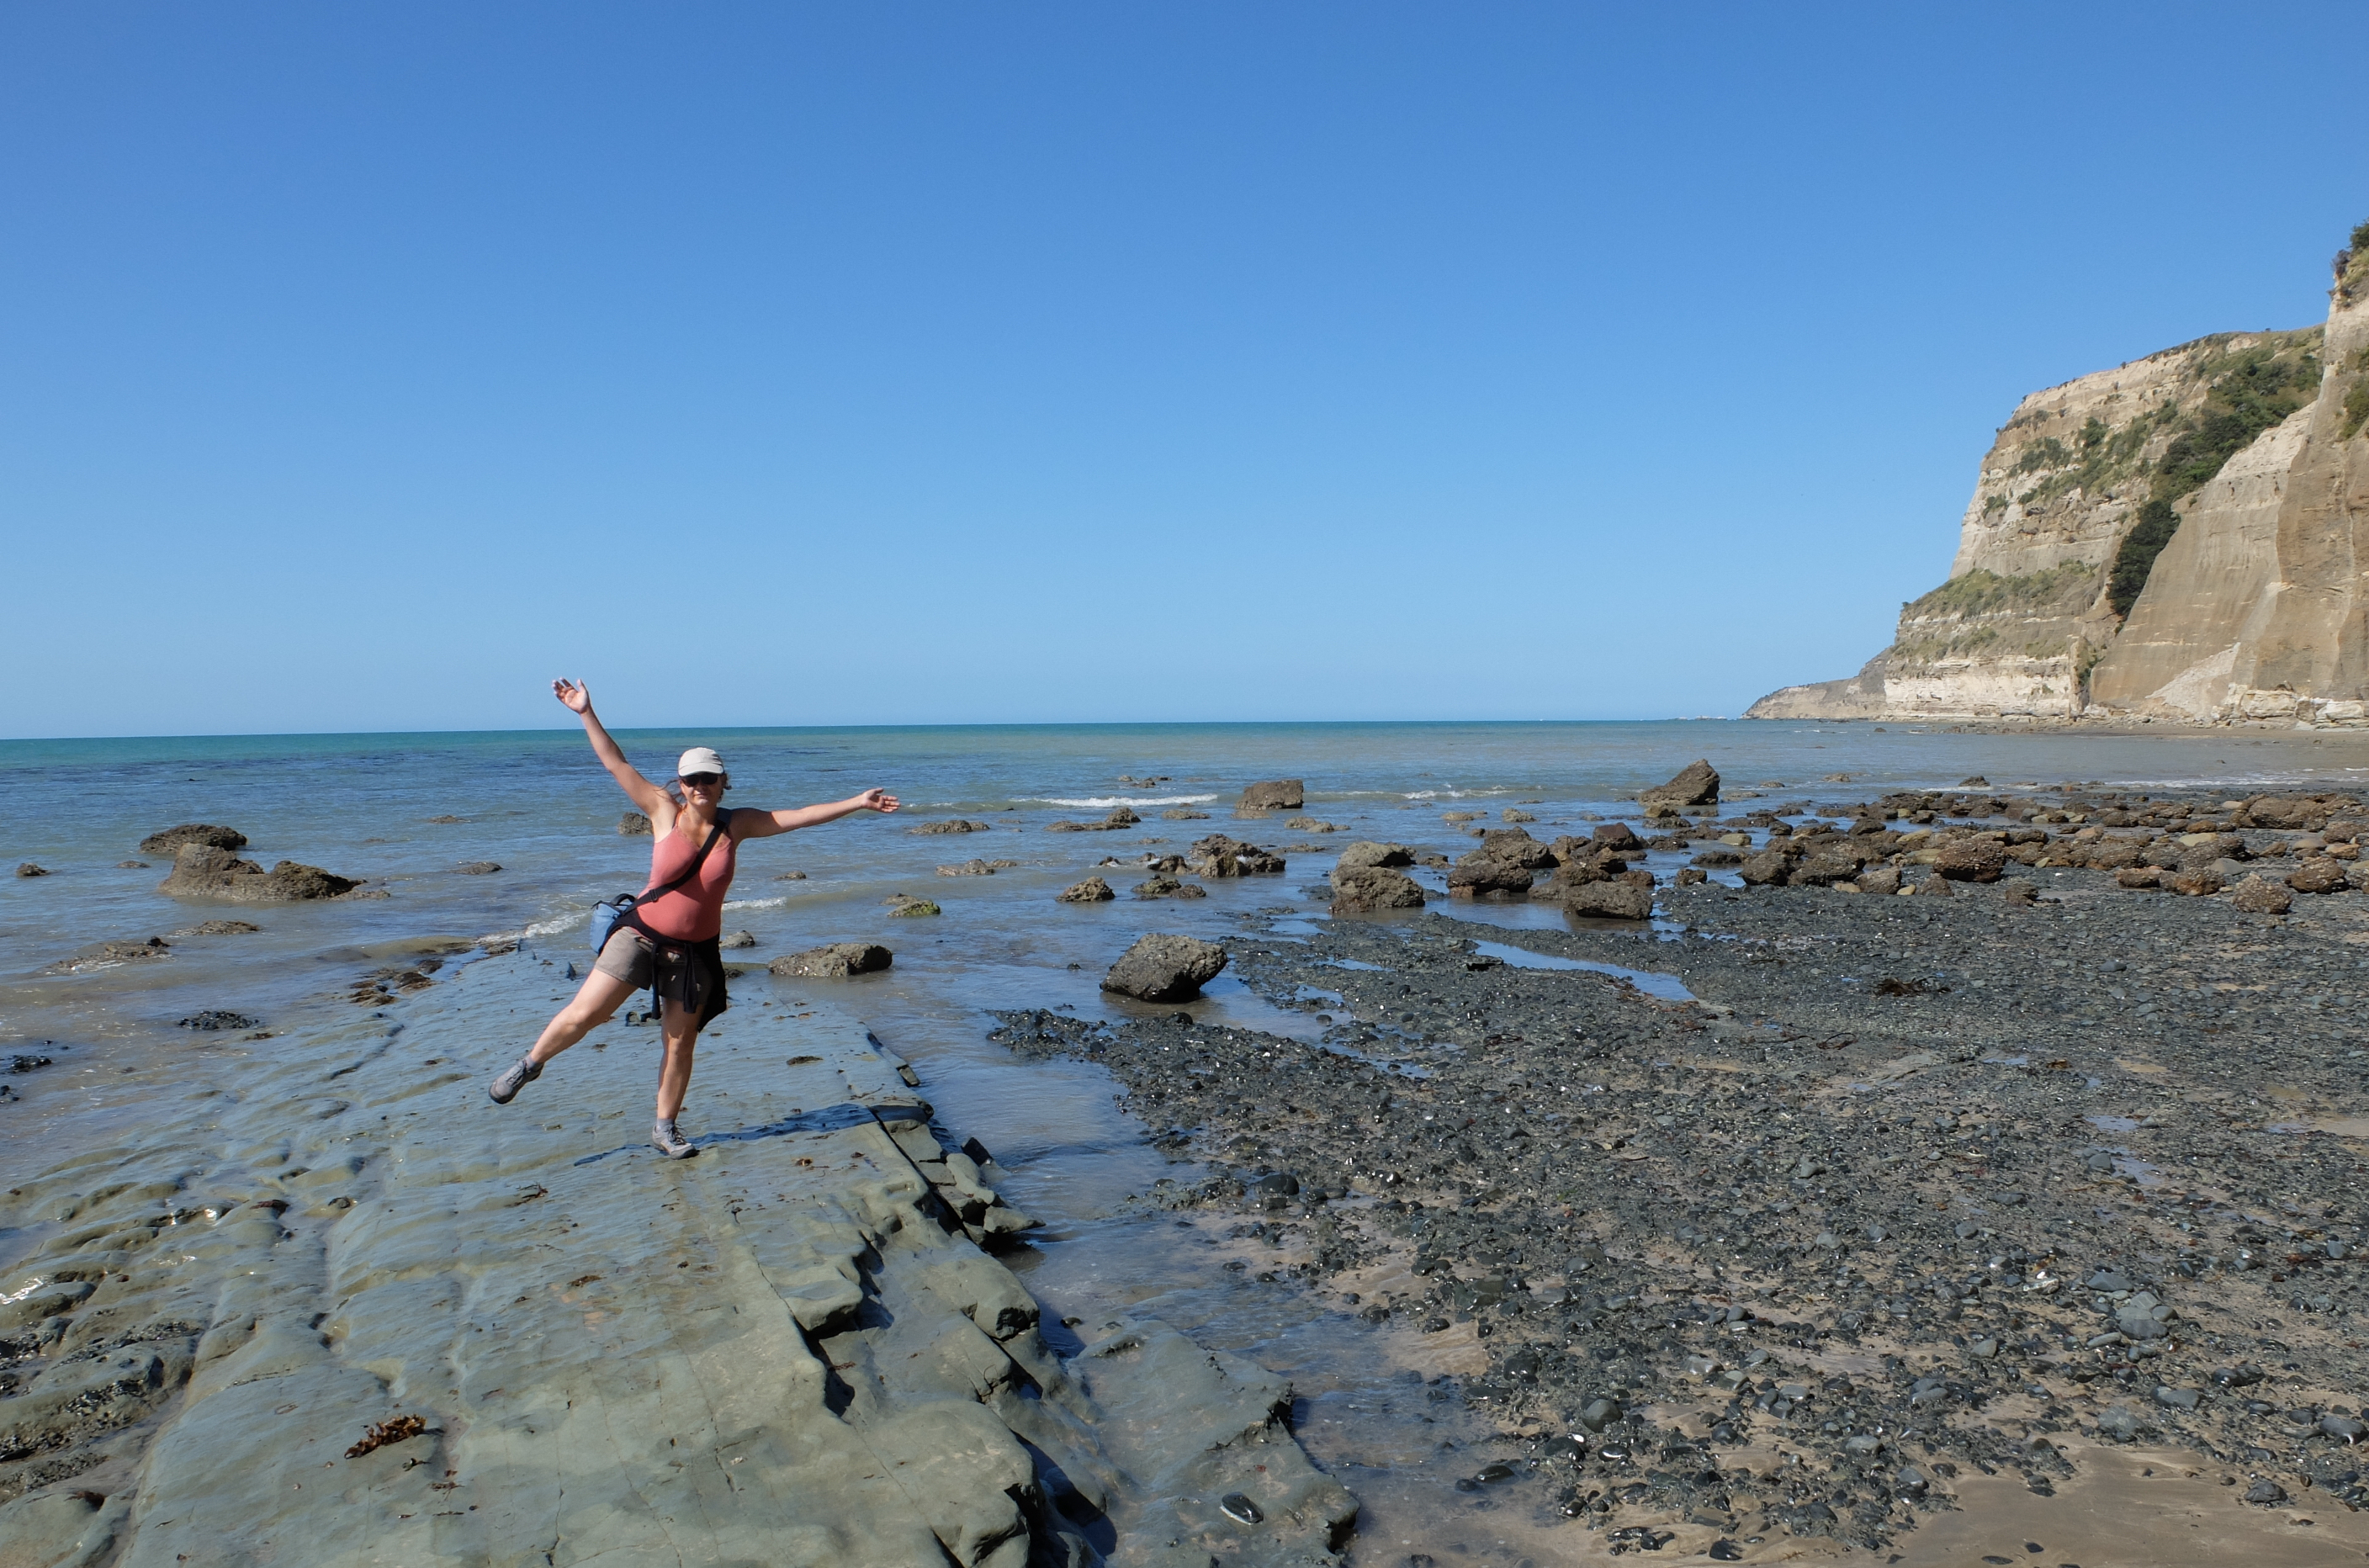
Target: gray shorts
x=685 y=972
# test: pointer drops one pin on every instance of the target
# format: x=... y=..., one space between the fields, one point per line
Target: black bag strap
x=722 y=819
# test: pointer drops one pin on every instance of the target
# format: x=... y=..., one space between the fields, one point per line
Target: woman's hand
x=578 y=699
x=876 y=800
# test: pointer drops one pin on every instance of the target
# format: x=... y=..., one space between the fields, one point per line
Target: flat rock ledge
x=397 y=1323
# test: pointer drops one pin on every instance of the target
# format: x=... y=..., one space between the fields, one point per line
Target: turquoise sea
x=535 y=802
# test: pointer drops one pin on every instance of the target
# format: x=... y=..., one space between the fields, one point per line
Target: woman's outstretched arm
x=645 y=794
x=765 y=824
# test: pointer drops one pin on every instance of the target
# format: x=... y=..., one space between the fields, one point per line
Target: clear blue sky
x=367 y=365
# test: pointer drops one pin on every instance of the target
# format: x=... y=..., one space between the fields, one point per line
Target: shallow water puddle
x=1669 y=988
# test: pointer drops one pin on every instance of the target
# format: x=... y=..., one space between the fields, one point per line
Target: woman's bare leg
x=595 y=1002
x=681 y=1027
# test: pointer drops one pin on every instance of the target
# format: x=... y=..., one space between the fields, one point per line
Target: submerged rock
x=202 y=871
x=1366 y=852
x=834 y=962
x=1164 y=968
x=953 y=825
x=1093 y=890
x=29 y=869
x=631 y=824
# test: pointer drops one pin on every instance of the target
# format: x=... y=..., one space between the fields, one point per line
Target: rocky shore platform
x=2022 y=1225
x=332 y=1306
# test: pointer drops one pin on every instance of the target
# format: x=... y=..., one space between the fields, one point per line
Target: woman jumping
x=670 y=942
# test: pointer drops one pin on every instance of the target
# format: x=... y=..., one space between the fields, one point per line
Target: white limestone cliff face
x=2058 y=605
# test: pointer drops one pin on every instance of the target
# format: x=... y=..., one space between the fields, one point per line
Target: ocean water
x=536 y=803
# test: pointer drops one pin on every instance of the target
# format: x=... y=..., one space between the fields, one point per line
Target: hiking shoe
x=671 y=1143
x=515 y=1076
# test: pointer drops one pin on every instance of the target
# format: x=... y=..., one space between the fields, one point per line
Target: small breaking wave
x=1105 y=802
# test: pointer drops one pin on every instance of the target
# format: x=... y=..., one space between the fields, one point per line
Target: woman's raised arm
x=765 y=824
x=644 y=794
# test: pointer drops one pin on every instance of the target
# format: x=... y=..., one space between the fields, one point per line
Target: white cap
x=698 y=759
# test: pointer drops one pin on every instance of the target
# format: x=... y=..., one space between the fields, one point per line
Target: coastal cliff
x=2172 y=539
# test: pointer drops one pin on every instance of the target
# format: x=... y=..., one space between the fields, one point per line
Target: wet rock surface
x=354 y=1312
x=835 y=961
x=1813 y=1215
x=172 y=841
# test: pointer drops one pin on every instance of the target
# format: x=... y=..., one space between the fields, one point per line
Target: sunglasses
x=702 y=781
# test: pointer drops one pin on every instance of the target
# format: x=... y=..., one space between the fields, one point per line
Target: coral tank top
x=694 y=912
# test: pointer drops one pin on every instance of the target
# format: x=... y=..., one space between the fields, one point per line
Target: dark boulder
x=1616 y=899
x=1514 y=846
x=1971 y=860
x=1482 y=875
x=1362 y=889
x=1164 y=967
x=29 y=869
x=1696 y=784
x=477 y=868
x=171 y=840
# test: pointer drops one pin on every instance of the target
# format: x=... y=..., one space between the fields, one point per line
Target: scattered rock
x=1610 y=900
x=2140 y=876
x=834 y=962
x=1311 y=824
x=1882 y=879
x=633 y=823
x=220 y=928
x=790 y=877
x=203 y=871
x=440 y=820
x=1514 y=846
x=477 y=868
x=953 y=825
x=2318 y=875
x=1971 y=860
x=1510 y=814
x=1935 y=886
x=1219 y=855
x=1696 y=784
x=1364 y=888
x=171 y=840
x=1274 y=795
x=2258 y=895
x=1367 y=852
x=105 y=955
x=131 y=866
x=1093 y=890
x=215 y=1018
x=1164 y=887
x=739 y=939
x=968 y=868
x=1482 y=875
x=914 y=909
x=2193 y=884
x=29 y=869
x=1185 y=814
x=2015 y=891
x=1618 y=837
x=1164 y=968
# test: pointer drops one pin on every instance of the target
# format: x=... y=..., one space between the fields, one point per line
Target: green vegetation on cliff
x=2356 y=399
x=2249 y=390
x=1976 y=612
